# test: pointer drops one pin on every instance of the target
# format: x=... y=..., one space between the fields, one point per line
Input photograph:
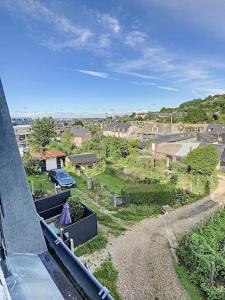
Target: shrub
x=76 y=208
x=31 y=165
x=184 y=197
x=202 y=160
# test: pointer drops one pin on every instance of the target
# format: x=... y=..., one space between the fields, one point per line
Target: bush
x=76 y=208
x=31 y=165
x=182 y=197
x=202 y=160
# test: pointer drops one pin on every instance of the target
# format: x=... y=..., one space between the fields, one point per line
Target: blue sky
x=89 y=57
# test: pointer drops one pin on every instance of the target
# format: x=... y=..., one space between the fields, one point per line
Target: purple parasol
x=65 y=217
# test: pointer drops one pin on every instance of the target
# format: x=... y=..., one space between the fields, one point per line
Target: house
x=84 y=160
x=51 y=159
x=206 y=138
x=216 y=128
x=218 y=131
x=118 y=129
x=22 y=132
x=80 y=135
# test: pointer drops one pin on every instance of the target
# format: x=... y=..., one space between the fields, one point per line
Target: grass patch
x=113 y=183
x=191 y=289
x=107 y=275
x=40 y=184
x=97 y=243
x=114 y=228
x=135 y=213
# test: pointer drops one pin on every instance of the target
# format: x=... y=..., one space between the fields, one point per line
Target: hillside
x=207 y=110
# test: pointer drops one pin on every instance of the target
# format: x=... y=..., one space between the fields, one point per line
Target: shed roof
x=84 y=158
x=48 y=154
x=186 y=148
x=170 y=138
x=168 y=148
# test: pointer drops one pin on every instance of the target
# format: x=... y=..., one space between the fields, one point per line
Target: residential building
x=21 y=121
x=80 y=135
x=218 y=131
x=122 y=130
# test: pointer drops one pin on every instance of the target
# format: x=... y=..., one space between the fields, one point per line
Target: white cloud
x=109 y=22
x=138 y=75
x=167 y=88
x=135 y=38
x=142 y=83
x=71 y=35
x=95 y=73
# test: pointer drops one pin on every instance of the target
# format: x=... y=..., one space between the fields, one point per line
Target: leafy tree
x=31 y=164
x=65 y=144
x=78 y=123
x=42 y=132
x=196 y=115
x=202 y=160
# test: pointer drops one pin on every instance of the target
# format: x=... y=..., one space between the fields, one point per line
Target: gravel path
x=143 y=257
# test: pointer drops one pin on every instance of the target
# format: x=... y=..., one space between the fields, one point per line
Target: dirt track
x=143 y=257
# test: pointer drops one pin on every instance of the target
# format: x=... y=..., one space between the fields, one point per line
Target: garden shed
x=84 y=160
x=51 y=159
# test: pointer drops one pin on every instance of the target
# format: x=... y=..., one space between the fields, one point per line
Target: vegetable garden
x=202 y=253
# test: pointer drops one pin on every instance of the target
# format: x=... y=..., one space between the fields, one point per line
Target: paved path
x=142 y=255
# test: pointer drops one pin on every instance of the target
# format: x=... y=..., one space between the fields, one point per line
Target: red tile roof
x=48 y=154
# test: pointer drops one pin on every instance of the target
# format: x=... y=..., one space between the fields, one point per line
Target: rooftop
x=48 y=154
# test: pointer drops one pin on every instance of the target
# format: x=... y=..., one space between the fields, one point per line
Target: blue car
x=61 y=178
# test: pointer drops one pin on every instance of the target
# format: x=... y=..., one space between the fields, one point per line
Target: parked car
x=61 y=178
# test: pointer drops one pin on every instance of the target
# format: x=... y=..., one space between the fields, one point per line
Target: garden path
x=142 y=255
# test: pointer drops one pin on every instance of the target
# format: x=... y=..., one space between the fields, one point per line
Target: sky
x=92 y=57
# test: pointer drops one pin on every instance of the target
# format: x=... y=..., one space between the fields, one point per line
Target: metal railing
x=82 y=277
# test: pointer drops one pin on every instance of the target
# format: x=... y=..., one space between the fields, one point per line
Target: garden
x=202 y=255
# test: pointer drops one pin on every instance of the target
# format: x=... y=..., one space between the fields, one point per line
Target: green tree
x=31 y=165
x=202 y=160
x=65 y=144
x=196 y=115
x=78 y=123
x=42 y=132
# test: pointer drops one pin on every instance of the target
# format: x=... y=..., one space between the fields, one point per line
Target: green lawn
x=136 y=213
x=113 y=183
x=107 y=275
x=40 y=184
x=97 y=243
